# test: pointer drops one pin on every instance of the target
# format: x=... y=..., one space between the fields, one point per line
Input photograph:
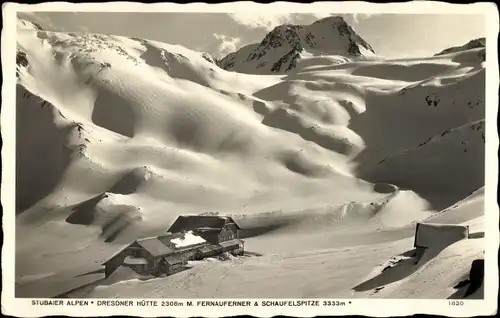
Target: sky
x=390 y=35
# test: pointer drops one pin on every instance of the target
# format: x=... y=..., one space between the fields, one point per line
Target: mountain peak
x=333 y=19
x=283 y=46
x=23 y=24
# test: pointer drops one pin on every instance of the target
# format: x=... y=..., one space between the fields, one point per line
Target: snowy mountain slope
x=472 y=207
x=371 y=110
x=285 y=45
x=449 y=165
x=174 y=124
x=135 y=132
x=443 y=102
x=472 y=44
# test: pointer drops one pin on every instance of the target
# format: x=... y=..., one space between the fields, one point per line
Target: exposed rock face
x=285 y=45
x=38 y=26
x=21 y=60
x=208 y=57
x=281 y=37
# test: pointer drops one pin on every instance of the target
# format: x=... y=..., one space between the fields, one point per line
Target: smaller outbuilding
x=428 y=235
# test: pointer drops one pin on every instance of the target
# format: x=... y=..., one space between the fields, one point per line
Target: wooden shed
x=214 y=229
x=430 y=234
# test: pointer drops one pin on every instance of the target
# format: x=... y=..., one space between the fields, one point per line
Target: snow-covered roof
x=164 y=244
x=188 y=239
x=431 y=234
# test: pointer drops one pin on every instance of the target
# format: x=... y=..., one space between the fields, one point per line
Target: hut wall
x=118 y=260
x=236 y=248
x=141 y=252
x=188 y=255
x=142 y=269
x=227 y=233
x=156 y=267
x=209 y=236
x=174 y=268
x=173 y=264
x=160 y=267
x=209 y=251
x=233 y=228
x=239 y=250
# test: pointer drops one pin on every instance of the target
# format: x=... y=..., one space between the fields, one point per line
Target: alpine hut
x=169 y=253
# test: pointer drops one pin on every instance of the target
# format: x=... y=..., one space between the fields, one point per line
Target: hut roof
x=194 y=222
x=187 y=239
x=432 y=234
x=154 y=246
x=116 y=253
x=164 y=244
